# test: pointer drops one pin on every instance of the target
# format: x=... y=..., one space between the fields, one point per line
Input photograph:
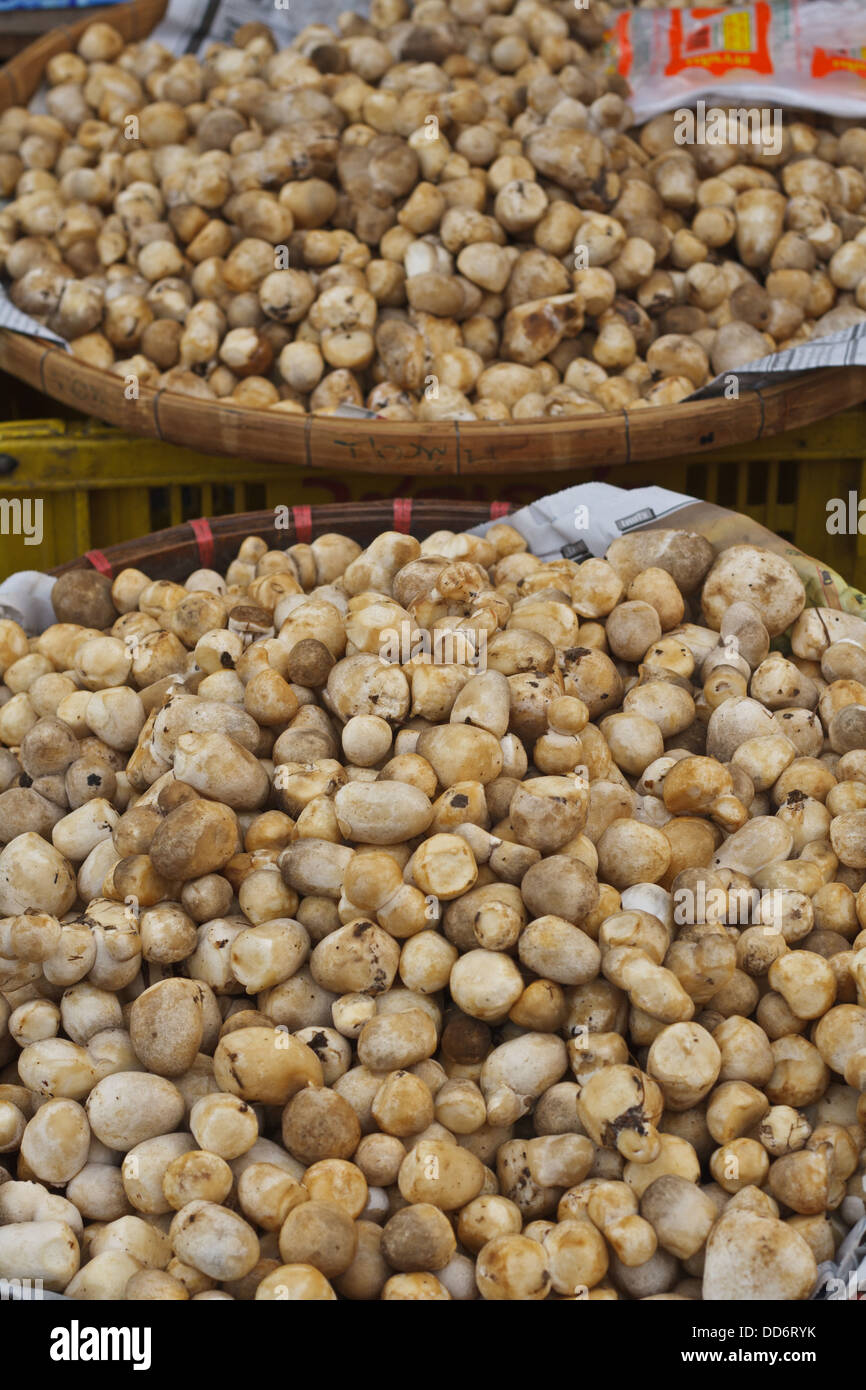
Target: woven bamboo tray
x=18 y=28
x=213 y=543
x=441 y=448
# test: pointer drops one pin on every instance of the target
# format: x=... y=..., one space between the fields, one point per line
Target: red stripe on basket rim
x=98 y=561
x=499 y=509
x=403 y=514
x=303 y=522
x=205 y=538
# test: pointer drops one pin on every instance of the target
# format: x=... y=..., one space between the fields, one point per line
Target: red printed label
x=827 y=61
x=625 y=52
x=720 y=40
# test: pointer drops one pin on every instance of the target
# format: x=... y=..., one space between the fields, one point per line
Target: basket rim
x=434 y=447
x=208 y=541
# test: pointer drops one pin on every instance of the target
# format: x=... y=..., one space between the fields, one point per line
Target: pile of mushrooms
x=530 y=965
x=442 y=212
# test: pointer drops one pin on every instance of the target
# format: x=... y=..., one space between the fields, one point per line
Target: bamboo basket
x=177 y=551
x=97 y=486
x=440 y=448
x=18 y=28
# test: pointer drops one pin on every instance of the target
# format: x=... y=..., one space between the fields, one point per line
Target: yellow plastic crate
x=99 y=486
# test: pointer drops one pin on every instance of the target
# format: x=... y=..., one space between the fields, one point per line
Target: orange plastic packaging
x=785 y=54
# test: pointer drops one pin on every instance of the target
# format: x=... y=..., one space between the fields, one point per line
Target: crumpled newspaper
x=844 y=1279
x=846 y=348
x=583 y=520
x=190 y=25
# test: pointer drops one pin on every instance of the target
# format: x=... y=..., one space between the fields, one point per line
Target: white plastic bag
x=788 y=53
